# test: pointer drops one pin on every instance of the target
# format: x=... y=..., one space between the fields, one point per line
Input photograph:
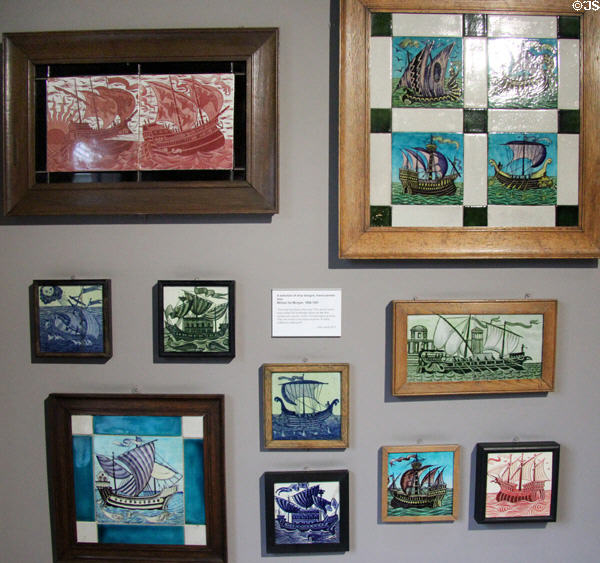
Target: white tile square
x=425 y=120
x=522 y=26
x=86 y=532
x=427 y=215
x=521 y=216
x=380 y=169
x=475 y=72
x=522 y=121
x=194 y=535
x=192 y=426
x=567 y=170
x=427 y=25
x=82 y=425
x=568 y=73
x=380 y=72
x=475 y=170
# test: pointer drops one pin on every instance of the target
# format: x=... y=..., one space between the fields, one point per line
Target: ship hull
x=438 y=362
x=152 y=502
x=305 y=421
x=205 y=138
x=412 y=184
x=430 y=499
x=532 y=491
x=318 y=525
x=535 y=181
x=179 y=334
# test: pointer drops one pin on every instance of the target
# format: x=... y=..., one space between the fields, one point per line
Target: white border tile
x=522 y=121
x=86 y=532
x=192 y=426
x=522 y=26
x=427 y=215
x=427 y=25
x=567 y=170
x=568 y=73
x=521 y=216
x=475 y=170
x=194 y=535
x=381 y=169
x=475 y=72
x=82 y=424
x=426 y=120
x=380 y=72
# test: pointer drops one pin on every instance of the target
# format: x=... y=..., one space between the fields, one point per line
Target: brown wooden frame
x=267 y=377
x=357 y=239
x=36 y=348
x=401 y=310
x=258 y=193
x=385 y=450
x=59 y=409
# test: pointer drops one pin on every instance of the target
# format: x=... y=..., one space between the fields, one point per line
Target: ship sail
x=305 y=498
x=526 y=155
x=450 y=337
x=411 y=477
x=303 y=394
x=501 y=340
x=424 y=78
x=439 y=480
x=533 y=471
x=429 y=480
x=286 y=505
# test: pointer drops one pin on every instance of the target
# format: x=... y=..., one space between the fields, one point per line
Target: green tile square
x=474 y=25
x=381 y=120
x=475 y=121
x=475 y=217
x=568 y=27
x=567 y=215
x=568 y=121
x=381 y=25
x=381 y=216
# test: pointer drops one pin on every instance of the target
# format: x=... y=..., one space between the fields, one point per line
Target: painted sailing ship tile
x=186 y=121
x=523 y=73
x=135 y=481
x=427 y=168
x=196 y=319
x=92 y=123
x=518 y=485
x=420 y=484
x=307 y=513
x=522 y=169
x=474 y=347
x=306 y=406
x=71 y=319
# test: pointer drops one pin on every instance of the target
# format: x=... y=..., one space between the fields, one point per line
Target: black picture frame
x=65 y=322
x=533 y=498
x=194 y=296
x=298 y=479
x=71 y=417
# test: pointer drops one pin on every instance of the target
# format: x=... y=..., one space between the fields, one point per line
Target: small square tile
x=381 y=120
x=474 y=25
x=381 y=24
x=475 y=217
x=475 y=121
x=86 y=532
x=194 y=535
x=381 y=216
x=567 y=215
x=192 y=426
x=568 y=27
x=82 y=424
x=568 y=121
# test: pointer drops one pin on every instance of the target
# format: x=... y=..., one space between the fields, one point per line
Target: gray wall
x=292 y=250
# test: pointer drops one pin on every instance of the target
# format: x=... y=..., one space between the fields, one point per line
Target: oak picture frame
x=516 y=496
x=419 y=502
x=250 y=188
x=417 y=372
x=357 y=239
x=282 y=434
x=74 y=423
